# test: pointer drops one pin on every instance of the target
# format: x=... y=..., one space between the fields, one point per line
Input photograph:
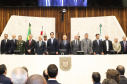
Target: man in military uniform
x=20 y=45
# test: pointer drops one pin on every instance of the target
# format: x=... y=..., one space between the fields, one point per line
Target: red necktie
x=29 y=42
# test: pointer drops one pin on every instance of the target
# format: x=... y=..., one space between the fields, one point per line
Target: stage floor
x=80 y=72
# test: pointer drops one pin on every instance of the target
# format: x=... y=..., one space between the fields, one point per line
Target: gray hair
x=18 y=76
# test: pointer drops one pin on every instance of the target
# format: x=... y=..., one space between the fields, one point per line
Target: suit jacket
x=59 y=3
x=73 y=3
x=105 y=47
x=52 y=47
x=67 y=46
x=30 y=47
x=123 y=80
x=40 y=49
x=21 y=46
x=122 y=47
x=97 y=48
x=43 y=2
x=5 y=47
x=74 y=47
x=4 y=80
x=86 y=46
x=52 y=82
x=13 y=46
x=116 y=47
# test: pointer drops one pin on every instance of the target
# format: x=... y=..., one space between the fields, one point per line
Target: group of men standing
x=52 y=46
x=62 y=2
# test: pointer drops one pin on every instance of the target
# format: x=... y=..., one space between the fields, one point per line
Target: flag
x=29 y=31
x=41 y=31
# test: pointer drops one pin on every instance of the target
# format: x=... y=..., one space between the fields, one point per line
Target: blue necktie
x=98 y=42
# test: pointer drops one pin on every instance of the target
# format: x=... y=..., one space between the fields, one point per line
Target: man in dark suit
x=13 y=44
x=20 y=45
x=30 y=45
x=3 y=78
x=45 y=2
x=75 y=45
x=40 y=47
x=52 y=73
x=60 y=3
x=75 y=3
x=52 y=45
x=124 y=45
x=5 y=45
x=96 y=78
x=107 y=45
x=64 y=44
x=97 y=45
x=121 y=70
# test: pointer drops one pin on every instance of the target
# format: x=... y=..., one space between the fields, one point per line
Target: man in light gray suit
x=75 y=45
x=86 y=45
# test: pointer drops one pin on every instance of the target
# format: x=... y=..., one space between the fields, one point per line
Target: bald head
x=40 y=37
x=13 y=36
x=106 y=37
x=36 y=79
x=120 y=69
x=124 y=38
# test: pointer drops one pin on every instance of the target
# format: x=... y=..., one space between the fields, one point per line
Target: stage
x=80 y=72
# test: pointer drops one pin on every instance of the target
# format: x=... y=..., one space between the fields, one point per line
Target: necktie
x=29 y=42
x=5 y=41
x=98 y=42
x=86 y=41
x=76 y=43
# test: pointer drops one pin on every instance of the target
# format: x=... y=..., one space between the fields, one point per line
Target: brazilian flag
x=29 y=32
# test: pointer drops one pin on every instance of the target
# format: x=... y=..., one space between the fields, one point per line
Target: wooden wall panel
x=65 y=26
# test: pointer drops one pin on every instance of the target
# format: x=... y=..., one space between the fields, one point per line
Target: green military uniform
x=21 y=46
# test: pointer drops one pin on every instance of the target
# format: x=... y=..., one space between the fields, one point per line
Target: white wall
x=19 y=25
x=80 y=73
x=90 y=25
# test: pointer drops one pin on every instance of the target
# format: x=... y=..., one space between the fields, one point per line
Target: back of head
x=2 y=69
x=113 y=74
x=96 y=77
x=36 y=79
x=18 y=76
x=120 y=69
x=52 y=70
x=109 y=81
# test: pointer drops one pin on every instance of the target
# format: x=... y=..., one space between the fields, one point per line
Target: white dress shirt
x=107 y=45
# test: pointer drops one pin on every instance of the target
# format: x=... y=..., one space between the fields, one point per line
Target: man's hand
x=94 y=53
x=56 y=53
x=29 y=51
x=47 y=53
x=43 y=54
x=90 y=53
x=36 y=54
x=102 y=53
